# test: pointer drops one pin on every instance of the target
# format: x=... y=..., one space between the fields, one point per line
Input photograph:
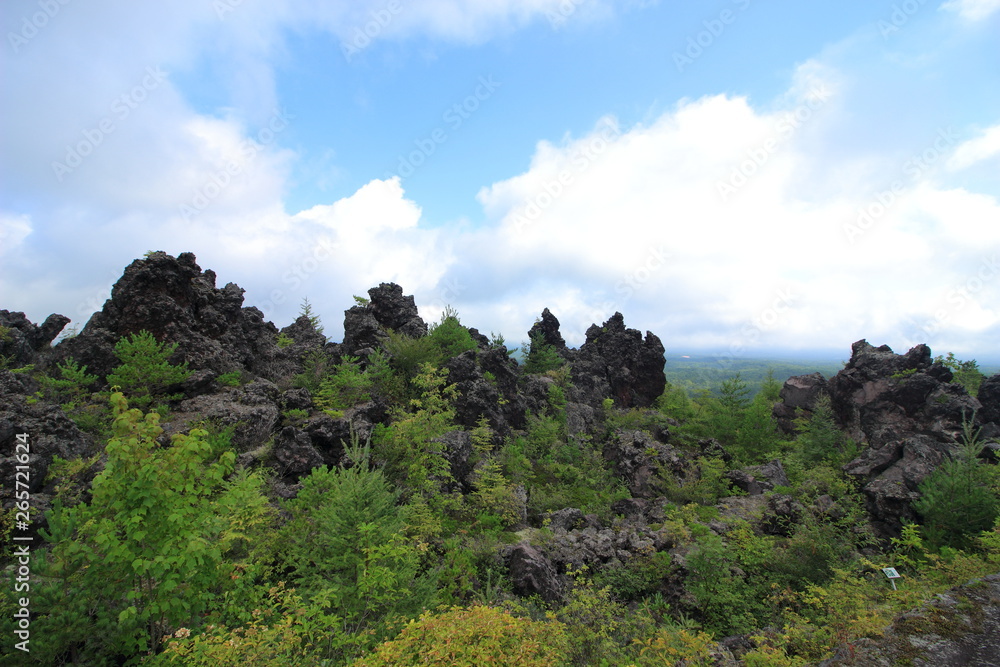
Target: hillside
x=185 y=483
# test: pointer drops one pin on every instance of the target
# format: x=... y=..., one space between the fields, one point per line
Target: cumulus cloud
x=972 y=10
x=976 y=150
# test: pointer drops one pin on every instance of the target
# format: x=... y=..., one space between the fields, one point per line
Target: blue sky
x=739 y=177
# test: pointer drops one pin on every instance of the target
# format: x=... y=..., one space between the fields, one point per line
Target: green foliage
x=284 y=340
x=316 y=365
x=727 y=603
x=408 y=448
x=597 y=626
x=407 y=354
x=675 y=404
x=146 y=553
x=540 y=357
x=450 y=337
x=347 y=386
x=676 y=646
x=959 y=499
x=704 y=486
x=231 y=379
x=558 y=470
x=820 y=440
x=278 y=634
x=965 y=373
x=306 y=310
x=345 y=547
x=361 y=301
x=474 y=636
x=69 y=385
x=494 y=494
x=145 y=372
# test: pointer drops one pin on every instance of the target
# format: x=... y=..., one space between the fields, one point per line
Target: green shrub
x=284 y=340
x=347 y=553
x=450 y=337
x=347 y=386
x=231 y=379
x=316 y=365
x=959 y=499
x=820 y=440
x=540 y=357
x=413 y=459
x=145 y=372
x=965 y=373
x=278 y=634
x=145 y=555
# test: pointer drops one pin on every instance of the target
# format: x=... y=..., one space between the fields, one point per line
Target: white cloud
x=976 y=150
x=972 y=10
x=13 y=230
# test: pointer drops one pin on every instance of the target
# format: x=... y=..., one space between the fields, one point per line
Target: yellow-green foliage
x=671 y=646
x=277 y=635
x=471 y=637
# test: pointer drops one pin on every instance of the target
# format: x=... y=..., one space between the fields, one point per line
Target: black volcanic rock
x=49 y=433
x=366 y=326
x=172 y=298
x=531 y=573
x=617 y=363
x=989 y=397
x=798 y=393
x=21 y=341
x=907 y=411
x=548 y=328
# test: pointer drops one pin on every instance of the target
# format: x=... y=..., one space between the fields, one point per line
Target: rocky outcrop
x=618 y=363
x=177 y=302
x=960 y=627
x=21 y=341
x=486 y=381
x=798 y=396
x=531 y=573
x=906 y=412
x=642 y=462
x=49 y=433
x=547 y=327
x=366 y=326
x=989 y=398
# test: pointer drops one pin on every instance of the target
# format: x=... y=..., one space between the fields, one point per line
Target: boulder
x=366 y=326
x=547 y=326
x=531 y=573
x=615 y=362
x=640 y=461
x=21 y=341
x=798 y=394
